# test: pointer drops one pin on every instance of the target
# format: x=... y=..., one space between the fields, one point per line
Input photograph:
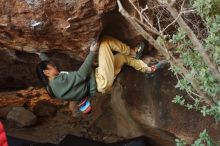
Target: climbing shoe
x=161 y=64
x=85 y=106
x=140 y=50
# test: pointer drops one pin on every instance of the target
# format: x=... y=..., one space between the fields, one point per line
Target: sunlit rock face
x=68 y=25
x=56 y=27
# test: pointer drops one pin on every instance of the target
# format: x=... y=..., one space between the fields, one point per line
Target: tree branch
x=139 y=29
x=197 y=44
x=142 y=16
x=180 y=13
x=147 y=27
x=163 y=51
x=190 y=79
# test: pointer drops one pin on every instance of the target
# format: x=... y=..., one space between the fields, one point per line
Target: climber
x=82 y=84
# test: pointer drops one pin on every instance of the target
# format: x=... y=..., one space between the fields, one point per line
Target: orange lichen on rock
x=27 y=97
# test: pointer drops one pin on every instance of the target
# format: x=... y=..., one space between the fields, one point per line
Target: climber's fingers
x=94 y=46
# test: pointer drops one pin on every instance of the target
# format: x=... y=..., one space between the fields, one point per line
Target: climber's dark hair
x=40 y=68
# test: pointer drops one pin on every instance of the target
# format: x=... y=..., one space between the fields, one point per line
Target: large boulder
x=143 y=106
x=20 y=117
x=45 y=108
x=65 y=28
x=62 y=28
x=4 y=111
x=53 y=24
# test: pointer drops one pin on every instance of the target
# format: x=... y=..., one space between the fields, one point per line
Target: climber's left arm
x=43 y=56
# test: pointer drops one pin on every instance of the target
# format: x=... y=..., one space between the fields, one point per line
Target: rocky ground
x=136 y=106
x=31 y=114
x=64 y=29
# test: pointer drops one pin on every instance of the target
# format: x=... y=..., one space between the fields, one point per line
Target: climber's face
x=51 y=71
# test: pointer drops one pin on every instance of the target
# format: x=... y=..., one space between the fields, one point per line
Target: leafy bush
x=196 y=66
x=195 y=59
x=203 y=140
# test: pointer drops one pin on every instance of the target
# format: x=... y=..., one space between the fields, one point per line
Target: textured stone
x=65 y=28
x=110 y=139
x=68 y=25
x=4 y=111
x=144 y=104
x=21 y=117
x=44 y=108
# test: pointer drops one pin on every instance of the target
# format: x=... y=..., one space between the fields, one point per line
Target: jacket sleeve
x=43 y=57
x=86 y=68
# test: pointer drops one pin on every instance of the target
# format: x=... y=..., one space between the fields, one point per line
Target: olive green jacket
x=74 y=85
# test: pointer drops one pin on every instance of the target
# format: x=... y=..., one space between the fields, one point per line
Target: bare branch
x=144 y=9
x=186 y=91
x=180 y=13
x=190 y=79
x=147 y=27
x=172 y=3
x=158 y=22
x=139 y=29
x=189 y=11
x=142 y=16
x=163 y=50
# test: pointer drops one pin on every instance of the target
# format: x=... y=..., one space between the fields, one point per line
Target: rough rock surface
x=65 y=28
x=4 y=111
x=21 y=117
x=54 y=26
x=136 y=106
x=44 y=109
x=67 y=25
x=144 y=106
